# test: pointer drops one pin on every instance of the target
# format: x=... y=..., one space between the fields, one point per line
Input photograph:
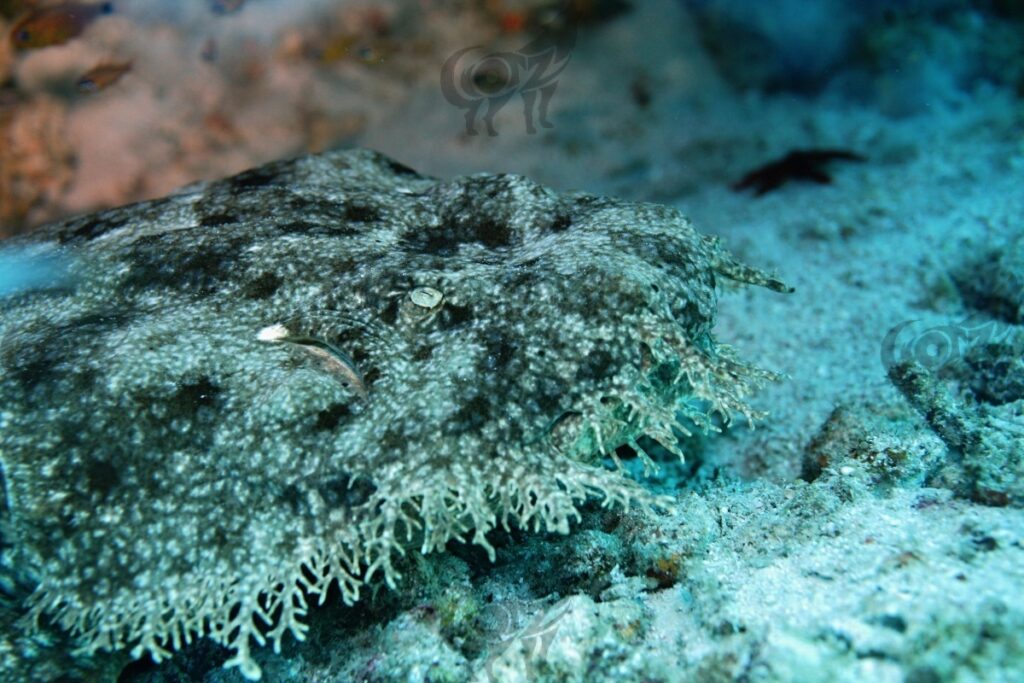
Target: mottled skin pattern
x=165 y=466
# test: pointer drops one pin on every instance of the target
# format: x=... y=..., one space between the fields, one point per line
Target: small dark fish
x=226 y=6
x=57 y=24
x=806 y=164
x=102 y=76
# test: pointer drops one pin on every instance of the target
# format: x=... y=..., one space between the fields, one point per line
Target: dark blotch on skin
x=686 y=309
x=342 y=266
x=194 y=401
x=470 y=416
x=343 y=492
x=550 y=392
x=452 y=316
x=299 y=227
x=469 y=220
x=389 y=314
x=293 y=499
x=160 y=262
x=102 y=477
x=251 y=180
x=320 y=217
x=492 y=234
x=215 y=219
x=53 y=349
x=499 y=350
x=263 y=287
x=598 y=363
x=446 y=239
x=438 y=241
x=361 y=213
x=329 y=418
x=330 y=214
x=561 y=223
x=92 y=228
x=521 y=275
x=370 y=376
x=358 y=354
x=195 y=394
x=392 y=440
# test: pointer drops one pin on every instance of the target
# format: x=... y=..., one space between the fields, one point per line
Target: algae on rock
x=462 y=353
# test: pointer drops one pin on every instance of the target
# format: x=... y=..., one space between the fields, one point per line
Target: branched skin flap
x=251 y=389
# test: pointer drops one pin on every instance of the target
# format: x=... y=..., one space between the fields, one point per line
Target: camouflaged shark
x=241 y=393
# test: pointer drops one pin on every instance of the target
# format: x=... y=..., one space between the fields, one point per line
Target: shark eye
x=421 y=305
x=22 y=36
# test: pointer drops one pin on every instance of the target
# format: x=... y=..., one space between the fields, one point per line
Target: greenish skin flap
x=449 y=355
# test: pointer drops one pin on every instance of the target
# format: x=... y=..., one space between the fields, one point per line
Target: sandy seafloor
x=873 y=569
